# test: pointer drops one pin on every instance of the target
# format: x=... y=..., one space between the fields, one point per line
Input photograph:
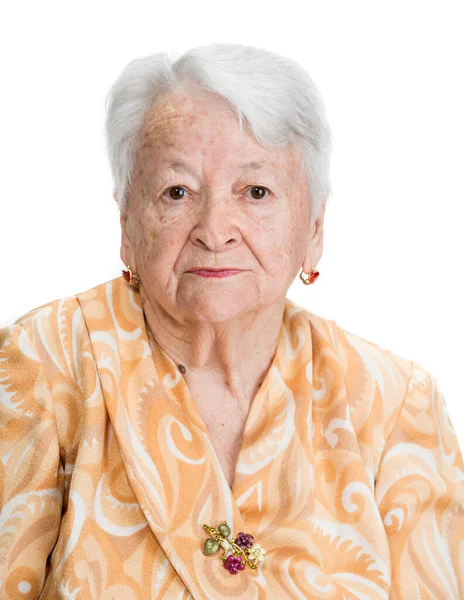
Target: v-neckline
x=166 y=449
x=255 y=407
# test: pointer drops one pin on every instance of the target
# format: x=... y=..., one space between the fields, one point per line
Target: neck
x=234 y=355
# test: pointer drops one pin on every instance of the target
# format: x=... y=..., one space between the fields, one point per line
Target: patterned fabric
x=350 y=475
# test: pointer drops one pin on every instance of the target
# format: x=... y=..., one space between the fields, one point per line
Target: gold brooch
x=237 y=552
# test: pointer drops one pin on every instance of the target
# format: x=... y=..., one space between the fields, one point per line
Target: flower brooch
x=237 y=553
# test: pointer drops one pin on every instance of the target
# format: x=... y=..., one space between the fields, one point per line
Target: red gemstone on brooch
x=234 y=564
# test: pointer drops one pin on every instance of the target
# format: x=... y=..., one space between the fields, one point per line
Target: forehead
x=200 y=122
x=186 y=108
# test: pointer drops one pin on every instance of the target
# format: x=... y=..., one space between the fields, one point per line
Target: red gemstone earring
x=131 y=278
x=313 y=275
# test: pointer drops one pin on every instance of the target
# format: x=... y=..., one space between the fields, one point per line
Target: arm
x=31 y=473
x=420 y=493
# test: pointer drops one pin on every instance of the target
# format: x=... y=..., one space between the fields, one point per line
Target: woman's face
x=193 y=204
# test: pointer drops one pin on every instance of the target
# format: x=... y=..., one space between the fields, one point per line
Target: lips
x=215 y=273
x=212 y=270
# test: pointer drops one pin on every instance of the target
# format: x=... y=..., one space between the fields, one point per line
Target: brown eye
x=258 y=192
x=176 y=192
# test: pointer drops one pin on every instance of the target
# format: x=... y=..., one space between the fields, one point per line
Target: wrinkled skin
x=225 y=330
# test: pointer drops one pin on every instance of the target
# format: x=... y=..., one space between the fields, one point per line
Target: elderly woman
x=185 y=430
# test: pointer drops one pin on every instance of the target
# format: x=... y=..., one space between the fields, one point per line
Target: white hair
x=274 y=95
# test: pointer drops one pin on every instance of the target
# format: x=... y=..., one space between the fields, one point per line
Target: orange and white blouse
x=350 y=476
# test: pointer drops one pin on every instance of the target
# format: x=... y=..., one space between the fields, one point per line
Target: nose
x=215 y=228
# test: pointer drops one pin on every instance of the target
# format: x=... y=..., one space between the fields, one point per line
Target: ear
x=315 y=242
x=126 y=246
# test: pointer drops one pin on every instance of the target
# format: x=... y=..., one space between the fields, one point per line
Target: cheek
x=286 y=240
x=286 y=253
x=147 y=251
x=277 y=251
x=159 y=244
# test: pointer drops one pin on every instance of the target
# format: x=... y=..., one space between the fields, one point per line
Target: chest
x=225 y=423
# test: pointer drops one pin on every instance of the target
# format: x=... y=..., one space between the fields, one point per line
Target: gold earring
x=313 y=275
x=131 y=278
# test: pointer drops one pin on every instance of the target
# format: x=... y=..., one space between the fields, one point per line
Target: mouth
x=212 y=269
x=214 y=272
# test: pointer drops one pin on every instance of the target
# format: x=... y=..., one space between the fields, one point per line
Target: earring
x=313 y=275
x=131 y=278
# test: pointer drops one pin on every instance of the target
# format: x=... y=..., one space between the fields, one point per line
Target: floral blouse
x=349 y=482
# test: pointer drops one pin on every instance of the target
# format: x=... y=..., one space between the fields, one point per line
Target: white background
x=391 y=74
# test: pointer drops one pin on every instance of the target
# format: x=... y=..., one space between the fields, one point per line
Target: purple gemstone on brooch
x=244 y=540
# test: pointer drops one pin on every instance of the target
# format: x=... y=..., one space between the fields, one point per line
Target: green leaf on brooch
x=224 y=529
x=210 y=547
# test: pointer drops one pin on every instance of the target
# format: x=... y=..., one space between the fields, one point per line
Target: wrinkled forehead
x=186 y=124
x=198 y=132
x=186 y=107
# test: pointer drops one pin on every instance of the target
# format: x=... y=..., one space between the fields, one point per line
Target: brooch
x=237 y=552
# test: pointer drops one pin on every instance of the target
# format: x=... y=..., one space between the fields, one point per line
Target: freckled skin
x=224 y=330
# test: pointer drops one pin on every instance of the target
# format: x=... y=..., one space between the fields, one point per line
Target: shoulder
x=376 y=378
x=358 y=356
x=55 y=314
x=364 y=355
x=54 y=332
x=369 y=373
x=45 y=325
x=370 y=381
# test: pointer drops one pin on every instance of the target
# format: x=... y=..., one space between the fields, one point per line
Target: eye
x=178 y=192
x=175 y=192
x=259 y=191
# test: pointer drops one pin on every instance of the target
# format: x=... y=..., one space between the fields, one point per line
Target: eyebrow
x=179 y=165
x=251 y=165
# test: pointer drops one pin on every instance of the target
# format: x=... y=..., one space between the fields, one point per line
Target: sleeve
x=420 y=493
x=31 y=473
